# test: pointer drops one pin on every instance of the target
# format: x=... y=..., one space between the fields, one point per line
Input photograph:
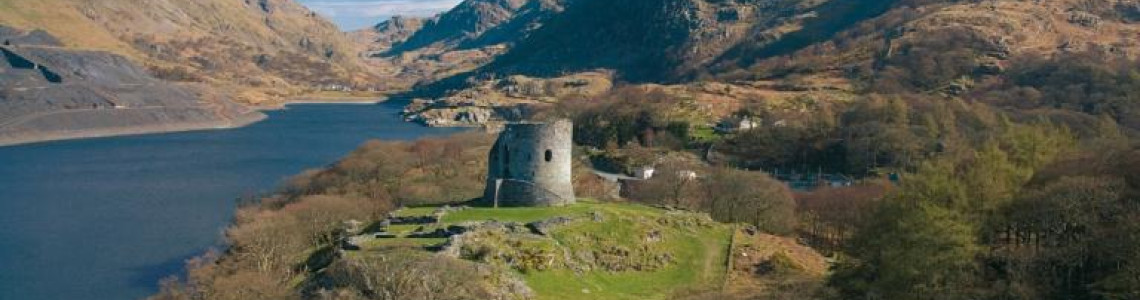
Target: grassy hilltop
x=638 y=252
x=604 y=250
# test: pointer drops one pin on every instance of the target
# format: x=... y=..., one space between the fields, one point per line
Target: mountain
x=265 y=48
x=383 y=36
x=680 y=40
x=778 y=49
x=653 y=40
x=197 y=58
x=465 y=21
x=257 y=52
x=479 y=23
x=640 y=39
x=408 y=52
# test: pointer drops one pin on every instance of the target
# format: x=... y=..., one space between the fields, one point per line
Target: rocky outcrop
x=512 y=98
x=455 y=117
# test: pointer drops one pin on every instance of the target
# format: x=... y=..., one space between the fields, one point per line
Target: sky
x=357 y=14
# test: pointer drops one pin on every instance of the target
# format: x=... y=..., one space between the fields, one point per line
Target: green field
x=700 y=262
x=517 y=214
x=696 y=246
x=704 y=134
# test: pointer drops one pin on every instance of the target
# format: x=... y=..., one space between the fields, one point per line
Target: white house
x=644 y=173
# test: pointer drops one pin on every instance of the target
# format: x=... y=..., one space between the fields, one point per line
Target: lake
x=108 y=218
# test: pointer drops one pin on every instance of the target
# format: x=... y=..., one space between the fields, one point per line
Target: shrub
x=408 y=275
x=729 y=195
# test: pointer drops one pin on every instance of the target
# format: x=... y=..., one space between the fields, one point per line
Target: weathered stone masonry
x=530 y=165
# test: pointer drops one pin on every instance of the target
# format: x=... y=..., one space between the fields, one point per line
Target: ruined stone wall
x=530 y=165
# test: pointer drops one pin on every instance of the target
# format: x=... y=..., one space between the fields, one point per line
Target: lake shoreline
x=322 y=100
x=253 y=117
x=56 y=136
x=109 y=218
x=336 y=100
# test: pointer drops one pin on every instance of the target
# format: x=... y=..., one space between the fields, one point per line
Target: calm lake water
x=107 y=218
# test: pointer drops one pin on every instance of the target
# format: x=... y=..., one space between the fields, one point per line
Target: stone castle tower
x=530 y=165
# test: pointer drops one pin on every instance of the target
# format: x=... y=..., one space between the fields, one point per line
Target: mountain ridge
x=784 y=49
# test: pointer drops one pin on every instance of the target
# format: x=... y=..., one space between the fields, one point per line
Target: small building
x=737 y=123
x=644 y=173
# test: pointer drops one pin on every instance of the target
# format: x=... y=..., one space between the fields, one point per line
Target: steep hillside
x=48 y=92
x=265 y=48
x=779 y=50
x=117 y=67
x=479 y=23
x=652 y=40
x=994 y=33
x=407 y=52
x=402 y=72
x=380 y=38
x=528 y=18
x=677 y=40
x=467 y=20
x=668 y=41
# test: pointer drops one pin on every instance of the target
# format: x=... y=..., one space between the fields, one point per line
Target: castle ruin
x=530 y=165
